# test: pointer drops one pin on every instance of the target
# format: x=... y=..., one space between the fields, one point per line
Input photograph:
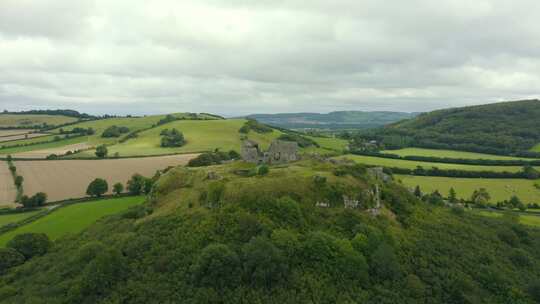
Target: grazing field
x=530 y=220
x=56 y=150
x=65 y=179
x=21 y=120
x=409 y=164
x=327 y=143
x=16 y=217
x=449 y=154
x=48 y=145
x=74 y=218
x=8 y=192
x=499 y=189
x=22 y=136
x=200 y=135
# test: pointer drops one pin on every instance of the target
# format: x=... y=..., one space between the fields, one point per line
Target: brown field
x=22 y=136
x=12 y=132
x=64 y=179
x=7 y=188
x=58 y=151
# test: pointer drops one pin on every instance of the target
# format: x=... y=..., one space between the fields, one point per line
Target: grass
x=73 y=218
x=43 y=146
x=530 y=220
x=449 y=154
x=499 y=189
x=409 y=164
x=201 y=135
x=327 y=144
x=15 y=120
x=16 y=217
x=536 y=148
x=41 y=139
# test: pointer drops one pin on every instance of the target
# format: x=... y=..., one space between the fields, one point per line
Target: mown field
x=74 y=218
x=499 y=189
x=408 y=164
x=15 y=120
x=66 y=179
x=16 y=217
x=8 y=191
x=448 y=154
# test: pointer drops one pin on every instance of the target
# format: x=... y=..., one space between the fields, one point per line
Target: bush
x=97 y=187
x=139 y=184
x=263 y=170
x=30 y=244
x=253 y=125
x=114 y=131
x=264 y=264
x=102 y=151
x=118 y=188
x=217 y=266
x=172 y=138
x=9 y=257
x=38 y=199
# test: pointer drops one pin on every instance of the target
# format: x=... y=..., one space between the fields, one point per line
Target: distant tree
x=264 y=264
x=102 y=151
x=97 y=187
x=135 y=185
x=217 y=266
x=480 y=196
x=39 y=199
x=514 y=202
x=18 y=181
x=30 y=244
x=9 y=257
x=452 y=196
x=172 y=138
x=417 y=191
x=9 y=158
x=530 y=172
x=148 y=184
x=118 y=188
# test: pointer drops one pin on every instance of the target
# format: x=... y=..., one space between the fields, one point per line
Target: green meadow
x=530 y=220
x=536 y=148
x=16 y=217
x=43 y=146
x=499 y=189
x=21 y=120
x=73 y=218
x=448 y=154
x=409 y=164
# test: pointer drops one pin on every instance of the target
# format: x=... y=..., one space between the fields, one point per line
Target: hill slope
x=500 y=128
x=261 y=239
x=333 y=120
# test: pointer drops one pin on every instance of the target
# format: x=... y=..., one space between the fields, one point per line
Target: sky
x=236 y=57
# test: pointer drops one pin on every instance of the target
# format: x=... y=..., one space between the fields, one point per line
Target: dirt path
x=65 y=179
x=8 y=192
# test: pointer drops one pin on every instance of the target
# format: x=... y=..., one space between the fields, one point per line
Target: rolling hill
x=333 y=120
x=501 y=128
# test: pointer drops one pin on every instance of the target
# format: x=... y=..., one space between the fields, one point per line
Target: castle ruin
x=279 y=152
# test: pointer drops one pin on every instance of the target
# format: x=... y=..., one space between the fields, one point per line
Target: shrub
x=253 y=125
x=118 y=188
x=30 y=244
x=9 y=257
x=264 y=264
x=102 y=151
x=97 y=187
x=18 y=181
x=38 y=199
x=263 y=170
x=114 y=131
x=136 y=185
x=217 y=266
x=172 y=138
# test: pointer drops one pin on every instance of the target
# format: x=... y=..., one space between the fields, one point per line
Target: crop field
x=16 y=217
x=22 y=136
x=65 y=179
x=8 y=191
x=48 y=145
x=16 y=120
x=449 y=154
x=409 y=164
x=200 y=135
x=499 y=189
x=12 y=132
x=74 y=218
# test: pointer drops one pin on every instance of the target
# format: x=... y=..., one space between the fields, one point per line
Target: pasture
x=8 y=192
x=16 y=217
x=526 y=219
x=200 y=135
x=22 y=120
x=73 y=218
x=499 y=189
x=65 y=179
x=536 y=148
x=409 y=164
x=48 y=146
x=449 y=154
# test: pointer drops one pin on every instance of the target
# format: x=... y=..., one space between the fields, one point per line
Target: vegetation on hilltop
x=231 y=239
x=502 y=128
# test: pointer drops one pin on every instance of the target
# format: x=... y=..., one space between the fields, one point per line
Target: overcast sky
x=236 y=57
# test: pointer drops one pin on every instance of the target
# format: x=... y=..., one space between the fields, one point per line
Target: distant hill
x=333 y=120
x=499 y=128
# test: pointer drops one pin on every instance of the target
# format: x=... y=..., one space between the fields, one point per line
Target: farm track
x=69 y=179
x=8 y=192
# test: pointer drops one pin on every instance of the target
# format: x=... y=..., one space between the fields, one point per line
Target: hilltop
x=499 y=128
x=332 y=120
x=229 y=234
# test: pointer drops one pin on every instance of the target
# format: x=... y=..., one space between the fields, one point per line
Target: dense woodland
x=209 y=235
x=501 y=128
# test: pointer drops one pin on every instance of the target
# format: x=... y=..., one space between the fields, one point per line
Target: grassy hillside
x=499 y=189
x=333 y=120
x=500 y=128
x=31 y=120
x=72 y=219
x=262 y=239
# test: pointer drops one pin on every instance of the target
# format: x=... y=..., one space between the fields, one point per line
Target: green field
x=15 y=120
x=41 y=139
x=536 y=148
x=499 y=189
x=73 y=218
x=327 y=143
x=530 y=220
x=16 y=217
x=409 y=164
x=47 y=145
x=448 y=154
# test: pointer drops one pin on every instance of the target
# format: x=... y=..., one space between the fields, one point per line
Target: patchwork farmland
x=65 y=179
